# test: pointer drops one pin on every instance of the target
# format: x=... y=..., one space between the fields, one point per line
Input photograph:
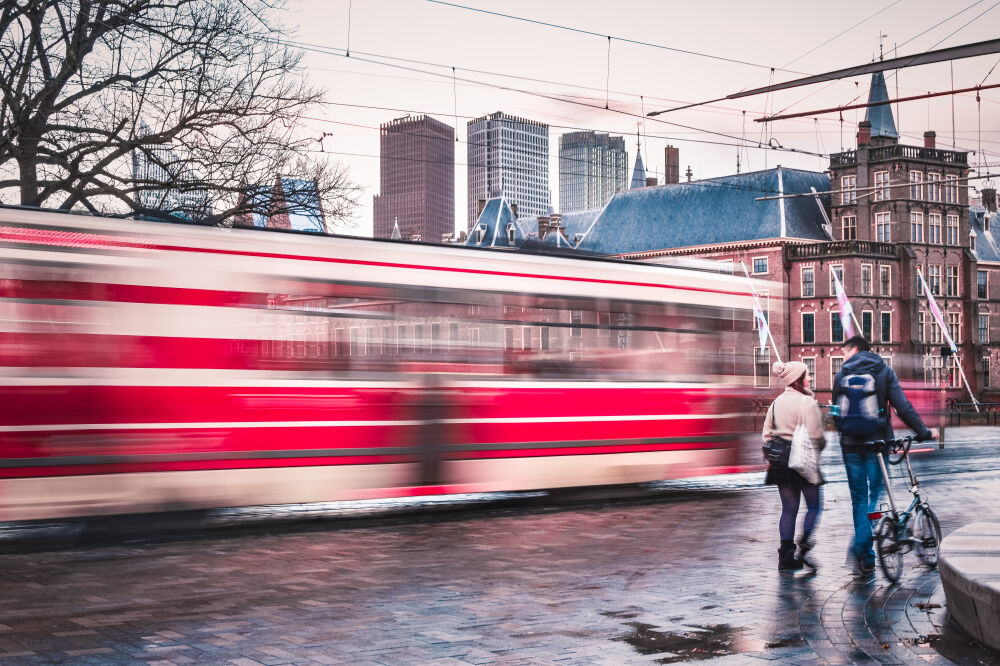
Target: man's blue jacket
x=889 y=393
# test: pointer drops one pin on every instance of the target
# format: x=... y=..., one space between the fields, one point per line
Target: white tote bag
x=804 y=455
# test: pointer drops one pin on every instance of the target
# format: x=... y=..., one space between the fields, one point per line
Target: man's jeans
x=864 y=478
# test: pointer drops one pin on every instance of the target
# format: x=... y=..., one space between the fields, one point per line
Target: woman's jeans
x=864 y=478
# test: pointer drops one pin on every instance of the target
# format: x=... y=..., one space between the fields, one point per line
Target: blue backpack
x=860 y=414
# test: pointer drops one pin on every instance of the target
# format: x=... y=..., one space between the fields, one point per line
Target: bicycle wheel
x=927 y=535
x=890 y=555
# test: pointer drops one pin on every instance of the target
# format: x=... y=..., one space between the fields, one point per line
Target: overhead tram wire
x=939 y=23
x=479 y=166
x=554 y=98
x=624 y=40
x=790 y=62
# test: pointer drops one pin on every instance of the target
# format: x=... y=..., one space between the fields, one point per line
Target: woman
x=794 y=406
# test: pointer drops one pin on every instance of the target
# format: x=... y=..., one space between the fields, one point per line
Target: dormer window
x=480 y=234
x=511 y=230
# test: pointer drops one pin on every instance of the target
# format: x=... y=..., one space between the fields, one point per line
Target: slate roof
x=495 y=219
x=305 y=213
x=880 y=116
x=576 y=223
x=638 y=172
x=710 y=212
x=987 y=242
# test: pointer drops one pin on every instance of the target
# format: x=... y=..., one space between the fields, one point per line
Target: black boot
x=805 y=545
x=786 y=557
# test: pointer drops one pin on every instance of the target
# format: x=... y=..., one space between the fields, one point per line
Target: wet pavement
x=686 y=574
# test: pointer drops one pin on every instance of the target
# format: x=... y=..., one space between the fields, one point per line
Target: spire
x=396 y=235
x=880 y=116
x=639 y=171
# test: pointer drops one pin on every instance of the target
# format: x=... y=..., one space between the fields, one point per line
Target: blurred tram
x=153 y=366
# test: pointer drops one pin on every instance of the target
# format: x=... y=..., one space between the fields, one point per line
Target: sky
x=693 y=52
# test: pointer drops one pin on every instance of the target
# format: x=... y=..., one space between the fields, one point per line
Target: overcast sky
x=786 y=35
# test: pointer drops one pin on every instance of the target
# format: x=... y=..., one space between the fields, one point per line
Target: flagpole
x=936 y=312
x=753 y=292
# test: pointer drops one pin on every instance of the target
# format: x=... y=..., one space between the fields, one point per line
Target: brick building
x=416 y=179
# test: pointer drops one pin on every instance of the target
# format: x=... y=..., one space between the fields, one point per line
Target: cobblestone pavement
x=686 y=576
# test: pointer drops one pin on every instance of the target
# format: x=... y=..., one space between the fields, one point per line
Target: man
x=865 y=377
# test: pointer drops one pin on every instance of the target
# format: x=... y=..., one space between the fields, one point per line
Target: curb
x=970 y=574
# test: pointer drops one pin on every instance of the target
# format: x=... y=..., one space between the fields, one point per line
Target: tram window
x=604 y=322
x=577 y=318
x=418 y=339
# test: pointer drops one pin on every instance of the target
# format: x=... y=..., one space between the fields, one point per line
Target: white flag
x=937 y=313
x=846 y=311
x=758 y=311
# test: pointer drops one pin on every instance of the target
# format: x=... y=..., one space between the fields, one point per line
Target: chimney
x=929 y=137
x=650 y=181
x=672 y=166
x=989 y=199
x=543 y=226
x=555 y=221
x=864 y=133
x=479 y=210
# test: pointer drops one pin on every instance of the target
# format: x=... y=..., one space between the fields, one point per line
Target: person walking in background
x=862 y=392
x=793 y=407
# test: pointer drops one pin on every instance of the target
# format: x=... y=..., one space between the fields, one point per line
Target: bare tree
x=157 y=108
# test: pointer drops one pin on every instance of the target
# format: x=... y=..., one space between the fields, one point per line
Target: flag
x=758 y=311
x=937 y=313
x=846 y=311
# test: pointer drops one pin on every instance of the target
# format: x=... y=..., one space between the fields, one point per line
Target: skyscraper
x=416 y=179
x=508 y=157
x=165 y=180
x=592 y=167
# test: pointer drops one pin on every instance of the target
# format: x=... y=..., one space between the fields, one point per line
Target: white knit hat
x=789 y=372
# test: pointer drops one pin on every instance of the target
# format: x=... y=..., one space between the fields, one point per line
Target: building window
x=981 y=284
x=760 y=265
x=953 y=280
x=916 y=185
x=726 y=266
x=866 y=324
x=885 y=280
x=849 y=230
x=866 y=279
x=916 y=227
x=526 y=338
x=921 y=330
x=810 y=362
x=837 y=270
x=934 y=230
x=955 y=326
x=951 y=189
x=935 y=335
x=836 y=363
x=886 y=332
x=765 y=304
x=882 y=234
x=953 y=230
x=881 y=185
x=984 y=329
x=508 y=338
x=808 y=328
x=986 y=371
x=809 y=281
x=836 y=328
x=545 y=344
x=418 y=339
x=934 y=187
x=762 y=367
x=934 y=279
x=577 y=318
x=849 y=189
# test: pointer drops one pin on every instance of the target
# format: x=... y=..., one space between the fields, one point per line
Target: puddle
x=695 y=644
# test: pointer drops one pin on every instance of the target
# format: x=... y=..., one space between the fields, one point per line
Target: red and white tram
x=149 y=366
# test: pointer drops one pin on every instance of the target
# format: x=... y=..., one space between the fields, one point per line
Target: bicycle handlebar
x=895 y=449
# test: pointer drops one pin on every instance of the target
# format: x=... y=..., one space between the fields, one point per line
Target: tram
x=152 y=366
